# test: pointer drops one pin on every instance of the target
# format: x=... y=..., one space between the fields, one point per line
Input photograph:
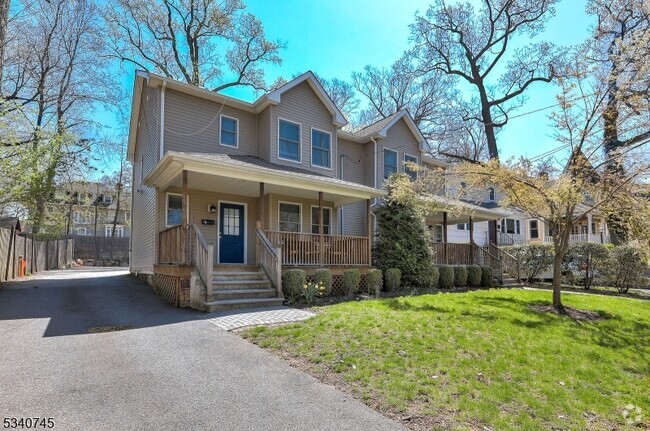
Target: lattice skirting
x=165 y=286
x=337 y=285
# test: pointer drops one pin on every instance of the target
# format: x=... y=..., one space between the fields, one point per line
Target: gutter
x=162 y=119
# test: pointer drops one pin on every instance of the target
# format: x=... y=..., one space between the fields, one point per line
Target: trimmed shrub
x=460 y=276
x=585 y=261
x=374 y=281
x=446 y=278
x=534 y=259
x=435 y=278
x=393 y=279
x=401 y=237
x=487 y=276
x=625 y=268
x=474 y=275
x=324 y=277
x=351 y=280
x=294 y=280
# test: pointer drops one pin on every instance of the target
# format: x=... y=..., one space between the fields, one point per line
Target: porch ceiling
x=242 y=176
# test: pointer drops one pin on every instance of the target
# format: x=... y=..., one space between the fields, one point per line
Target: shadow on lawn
x=404 y=305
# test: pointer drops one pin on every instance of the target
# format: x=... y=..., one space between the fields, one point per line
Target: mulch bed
x=571 y=312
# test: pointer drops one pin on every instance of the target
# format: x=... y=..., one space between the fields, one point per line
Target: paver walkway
x=174 y=370
x=255 y=317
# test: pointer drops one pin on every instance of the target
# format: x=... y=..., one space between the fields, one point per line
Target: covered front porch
x=219 y=210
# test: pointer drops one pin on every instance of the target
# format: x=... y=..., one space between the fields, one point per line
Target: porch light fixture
x=212 y=208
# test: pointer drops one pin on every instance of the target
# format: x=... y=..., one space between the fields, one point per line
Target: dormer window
x=491 y=194
x=229 y=129
x=107 y=199
x=408 y=169
x=390 y=162
x=321 y=148
x=289 y=141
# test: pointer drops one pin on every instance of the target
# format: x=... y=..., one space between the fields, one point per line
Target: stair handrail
x=269 y=258
x=510 y=262
x=202 y=257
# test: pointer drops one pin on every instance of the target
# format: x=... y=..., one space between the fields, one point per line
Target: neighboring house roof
x=274 y=97
x=255 y=169
x=460 y=211
x=10 y=223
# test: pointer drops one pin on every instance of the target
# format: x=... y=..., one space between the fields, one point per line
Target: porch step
x=509 y=281
x=243 y=293
x=234 y=304
x=223 y=276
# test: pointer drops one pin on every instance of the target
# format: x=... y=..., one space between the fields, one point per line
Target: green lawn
x=482 y=358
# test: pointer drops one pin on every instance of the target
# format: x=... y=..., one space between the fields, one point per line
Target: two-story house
x=242 y=191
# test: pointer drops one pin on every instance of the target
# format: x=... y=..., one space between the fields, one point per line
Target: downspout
x=374 y=201
x=341 y=209
x=162 y=119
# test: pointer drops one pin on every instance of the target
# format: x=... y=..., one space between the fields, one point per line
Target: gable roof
x=380 y=128
x=274 y=97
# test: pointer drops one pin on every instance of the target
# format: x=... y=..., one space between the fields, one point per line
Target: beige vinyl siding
x=193 y=124
x=147 y=153
x=301 y=105
x=305 y=215
x=264 y=133
x=352 y=168
x=369 y=164
x=398 y=138
x=200 y=200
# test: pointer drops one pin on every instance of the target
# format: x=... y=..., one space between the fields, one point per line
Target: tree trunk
x=557 y=281
x=4 y=16
x=488 y=123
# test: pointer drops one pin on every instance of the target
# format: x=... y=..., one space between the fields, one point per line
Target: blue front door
x=231 y=233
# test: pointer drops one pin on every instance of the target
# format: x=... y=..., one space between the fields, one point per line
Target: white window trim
x=299 y=216
x=245 y=205
x=119 y=229
x=311 y=153
x=221 y=117
x=383 y=167
x=167 y=207
x=104 y=199
x=331 y=218
x=80 y=229
x=417 y=162
x=299 y=141
x=491 y=191
x=539 y=232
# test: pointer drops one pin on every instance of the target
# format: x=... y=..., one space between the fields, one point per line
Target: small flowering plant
x=311 y=290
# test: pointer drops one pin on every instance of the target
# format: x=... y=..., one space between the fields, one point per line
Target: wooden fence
x=39 y=255
x=101 y=248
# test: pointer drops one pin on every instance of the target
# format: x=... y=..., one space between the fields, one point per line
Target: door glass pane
x=231 y=221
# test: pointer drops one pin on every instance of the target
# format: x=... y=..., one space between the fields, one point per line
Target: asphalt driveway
x=171 y=370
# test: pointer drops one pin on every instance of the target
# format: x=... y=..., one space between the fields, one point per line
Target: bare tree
x=342 y=94
x=207 y=43
x=473 y=46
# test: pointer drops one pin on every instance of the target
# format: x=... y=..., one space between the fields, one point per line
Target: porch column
x=321 y=230
x=262 y=205
x=185 y=243
x=444 y=234
x=369 y=228
x=589 y=222
x=471 y=239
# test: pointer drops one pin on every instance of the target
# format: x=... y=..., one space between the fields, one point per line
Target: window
x=491 y=194
x=289 y=217
x=174 y=209
x=437 y=233
x=509 y=225
x=518 y=224
x=81 y=231
x=119 y=231
x=593 y=228
x=411 y=172
x=320 y=148
x=534 y=229
x=289 y=141
x=108 y=199
x=327 y=220
x=390 y=162
x=462 y=226
x=229 y=129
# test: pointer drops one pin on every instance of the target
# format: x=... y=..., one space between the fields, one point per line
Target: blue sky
x=337 y=37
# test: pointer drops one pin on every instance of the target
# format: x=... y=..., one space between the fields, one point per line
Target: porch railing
x=170 y=245
x=202 y=256
x=573 y=239
x=270 y=259
x=468 y=254
x=511 y=238
x=305 y=249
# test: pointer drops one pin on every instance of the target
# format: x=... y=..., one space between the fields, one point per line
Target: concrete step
x=236 y=268
x=243 y=294
x=264 y=283
x=234 y=304
x=238 y=275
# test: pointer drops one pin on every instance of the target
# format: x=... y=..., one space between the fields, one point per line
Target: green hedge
x=474 y=275
x=487 y=276
x=446 y=278
x=374 y=281
x=324 y=276
x=351 y=280
x=393 y=279
x=460 y=276
x=294 y=280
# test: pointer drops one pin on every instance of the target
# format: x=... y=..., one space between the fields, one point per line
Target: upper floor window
x=108 y=199
x=289 y=141
x=320 y=148
x=229 y=131
x=390 y=162
x=289 y=217
x=491 y=194
x=534 y=229
x=327 y=220
x=119 y=231
x=408 y=168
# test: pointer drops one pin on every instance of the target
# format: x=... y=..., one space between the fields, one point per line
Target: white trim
x=311 y=152
x=245 y=205
x=529 y=230
x=331 y=218
x=383 y=171
x=417 y=162
x=299 y=142
x=167 y=207
x=162 y=119
x=299 y=218
x=221 y=117
x=492 y=190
